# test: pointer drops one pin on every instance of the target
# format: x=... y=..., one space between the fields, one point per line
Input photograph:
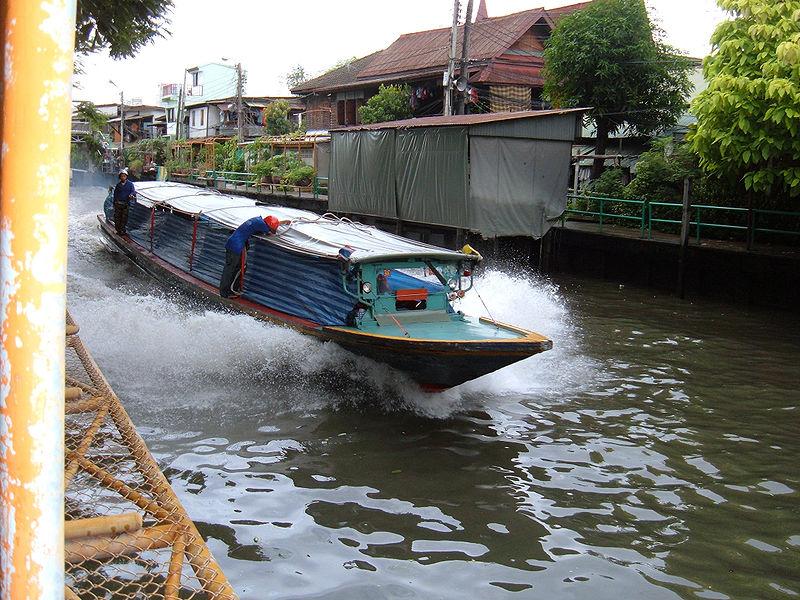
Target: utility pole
x=178 y=120
x=451 y=63
x=239 y=119
x=183 y=108
x=122 y=126
x=462 y=95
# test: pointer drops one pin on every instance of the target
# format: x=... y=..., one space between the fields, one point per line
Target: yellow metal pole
x=37 y=64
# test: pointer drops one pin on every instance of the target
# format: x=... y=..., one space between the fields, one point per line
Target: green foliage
x=660 y=172
x=748 y=125
x=177 y=165
x=296 y=76
x=343 y=62
x=609 y=184
x=263 y=169
x=158 y=148
x=123 y=28
x=258 y=151
x=91 y=148
x=199 y=159
x=89 y=113
x=229 y=157
x=610 y=57
x=135 y=166
x=281 y=164
x=276 y=121
x=391 y=103
x=300 y=175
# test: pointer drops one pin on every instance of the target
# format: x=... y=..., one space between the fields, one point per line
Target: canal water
x=653 y=453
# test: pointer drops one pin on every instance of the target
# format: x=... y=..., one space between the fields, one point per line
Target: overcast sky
x=270 y=37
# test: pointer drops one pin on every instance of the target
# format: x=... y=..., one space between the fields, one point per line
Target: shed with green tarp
x=499 y=174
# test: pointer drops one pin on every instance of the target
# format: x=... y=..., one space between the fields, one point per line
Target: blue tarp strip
x=302 y=286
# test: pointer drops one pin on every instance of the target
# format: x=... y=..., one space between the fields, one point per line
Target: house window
x=340 y=112
x=195 y=78
x=194 y=118
x=202 y=117
x=170 y=115
x=351 y=112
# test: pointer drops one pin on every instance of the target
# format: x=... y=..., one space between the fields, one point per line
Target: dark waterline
x=652 y=454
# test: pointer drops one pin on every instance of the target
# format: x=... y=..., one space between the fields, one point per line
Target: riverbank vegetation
x=657 y=191
x=748 y=119
x=609 y=56
x=743 y=152
x=88 y=149
x=252 y=161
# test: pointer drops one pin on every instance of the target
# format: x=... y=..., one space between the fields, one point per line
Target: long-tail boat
x=374 y=293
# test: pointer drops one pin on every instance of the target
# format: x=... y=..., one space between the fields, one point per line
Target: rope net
x=126 y=533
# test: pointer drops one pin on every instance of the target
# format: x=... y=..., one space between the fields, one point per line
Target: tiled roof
x=426 y=52
x=425 y=49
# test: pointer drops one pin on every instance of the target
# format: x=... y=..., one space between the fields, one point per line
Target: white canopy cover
x=309 y=233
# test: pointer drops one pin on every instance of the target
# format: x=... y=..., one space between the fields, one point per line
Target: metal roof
x=426 y=52
x=344 y=76
x=463 y=120
x=425 y=49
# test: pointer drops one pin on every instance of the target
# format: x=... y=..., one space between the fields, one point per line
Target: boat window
x=411 y=299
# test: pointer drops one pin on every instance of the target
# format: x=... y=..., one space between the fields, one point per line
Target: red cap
x=272 y=223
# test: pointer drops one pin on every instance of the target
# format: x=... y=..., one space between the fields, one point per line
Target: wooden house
x=506 y=58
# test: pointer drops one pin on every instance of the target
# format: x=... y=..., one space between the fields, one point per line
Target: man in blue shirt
x=124 y=196
x=236 y=246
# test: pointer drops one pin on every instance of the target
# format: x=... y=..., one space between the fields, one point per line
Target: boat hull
x=435 y=365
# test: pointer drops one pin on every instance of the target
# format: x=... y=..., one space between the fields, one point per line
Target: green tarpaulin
x=362 y=176
x=497 y=175
x=432 y=175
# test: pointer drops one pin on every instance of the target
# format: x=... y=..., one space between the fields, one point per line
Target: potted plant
x=300 y=176
x=263 y=170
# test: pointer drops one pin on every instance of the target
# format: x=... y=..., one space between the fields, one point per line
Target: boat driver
x=231 y=282
x=124 y=197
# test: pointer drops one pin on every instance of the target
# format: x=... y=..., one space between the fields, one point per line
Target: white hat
x=121 y=171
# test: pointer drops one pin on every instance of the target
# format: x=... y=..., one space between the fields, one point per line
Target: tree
x=91 y=148
x=276 y=121
x=391 y=103
x=89 y=113
x=122 y=27
x=610 y=57
x=296 y=76
x=748 y=119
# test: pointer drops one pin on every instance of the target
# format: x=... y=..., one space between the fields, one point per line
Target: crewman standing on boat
x=235 y=248
x=124 y=197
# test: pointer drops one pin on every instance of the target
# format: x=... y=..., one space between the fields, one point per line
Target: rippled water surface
x=654 y=453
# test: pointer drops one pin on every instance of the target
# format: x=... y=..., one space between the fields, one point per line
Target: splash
x=532 y=302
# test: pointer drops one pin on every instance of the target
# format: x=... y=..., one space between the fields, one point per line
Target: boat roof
x=309 y=233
